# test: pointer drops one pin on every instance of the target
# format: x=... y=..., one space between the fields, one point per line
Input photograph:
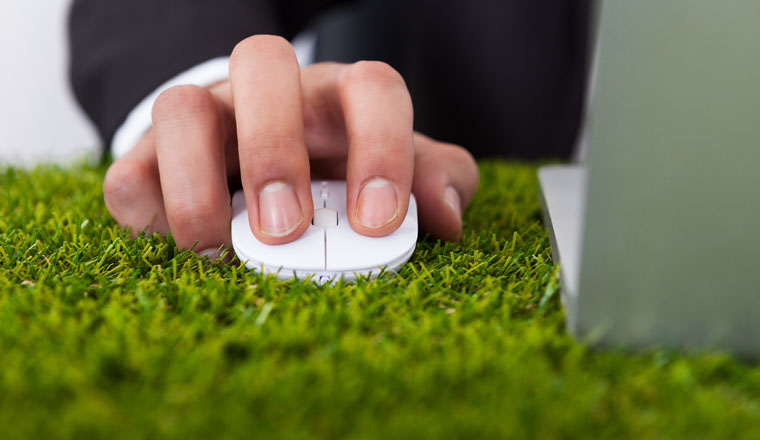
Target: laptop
x=657 y=230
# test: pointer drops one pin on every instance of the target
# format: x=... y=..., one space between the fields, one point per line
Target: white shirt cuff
x=139 y=120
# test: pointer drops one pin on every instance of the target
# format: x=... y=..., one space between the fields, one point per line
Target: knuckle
x=257 y=45
x=389 y=146
x=122 y=182
x=182 y=100
x=280 y=143
x=192 y=222
x=370 y=71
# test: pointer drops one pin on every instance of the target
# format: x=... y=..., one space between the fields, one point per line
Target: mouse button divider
x=324 y=191
x=316 y=189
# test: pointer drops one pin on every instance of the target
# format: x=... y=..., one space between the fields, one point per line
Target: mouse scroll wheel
x=325 y=218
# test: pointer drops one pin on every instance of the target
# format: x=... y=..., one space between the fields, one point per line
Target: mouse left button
x=305 y=253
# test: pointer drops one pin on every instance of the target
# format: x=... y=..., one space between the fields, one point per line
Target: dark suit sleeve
x=122 y=50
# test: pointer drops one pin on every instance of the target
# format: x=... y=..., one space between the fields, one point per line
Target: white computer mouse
x=329 y=249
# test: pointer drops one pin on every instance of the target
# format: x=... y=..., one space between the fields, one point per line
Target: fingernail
x=212 y=254
x=378 y=203
x=451 y=197
x=279 y=209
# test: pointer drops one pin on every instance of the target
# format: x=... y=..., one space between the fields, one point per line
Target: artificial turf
x=103 y=336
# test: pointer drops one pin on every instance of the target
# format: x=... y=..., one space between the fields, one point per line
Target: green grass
x=103 y=336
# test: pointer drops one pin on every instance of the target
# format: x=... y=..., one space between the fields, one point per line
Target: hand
x=272 y=127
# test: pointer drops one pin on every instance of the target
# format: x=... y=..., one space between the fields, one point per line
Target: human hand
x=272 y=127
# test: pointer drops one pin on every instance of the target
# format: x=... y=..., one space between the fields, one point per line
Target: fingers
x=274 y=163
x=132 y=190
x=378 y=115
x=370 y=103
x=358 y=118
x=445 y=179
x=189 y=150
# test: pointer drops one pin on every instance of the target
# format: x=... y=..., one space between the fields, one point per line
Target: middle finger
x=274 y=164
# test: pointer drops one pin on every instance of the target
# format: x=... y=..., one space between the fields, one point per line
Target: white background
x=39 y=118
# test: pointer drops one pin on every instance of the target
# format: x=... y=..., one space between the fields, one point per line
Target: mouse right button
x=349 y=251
